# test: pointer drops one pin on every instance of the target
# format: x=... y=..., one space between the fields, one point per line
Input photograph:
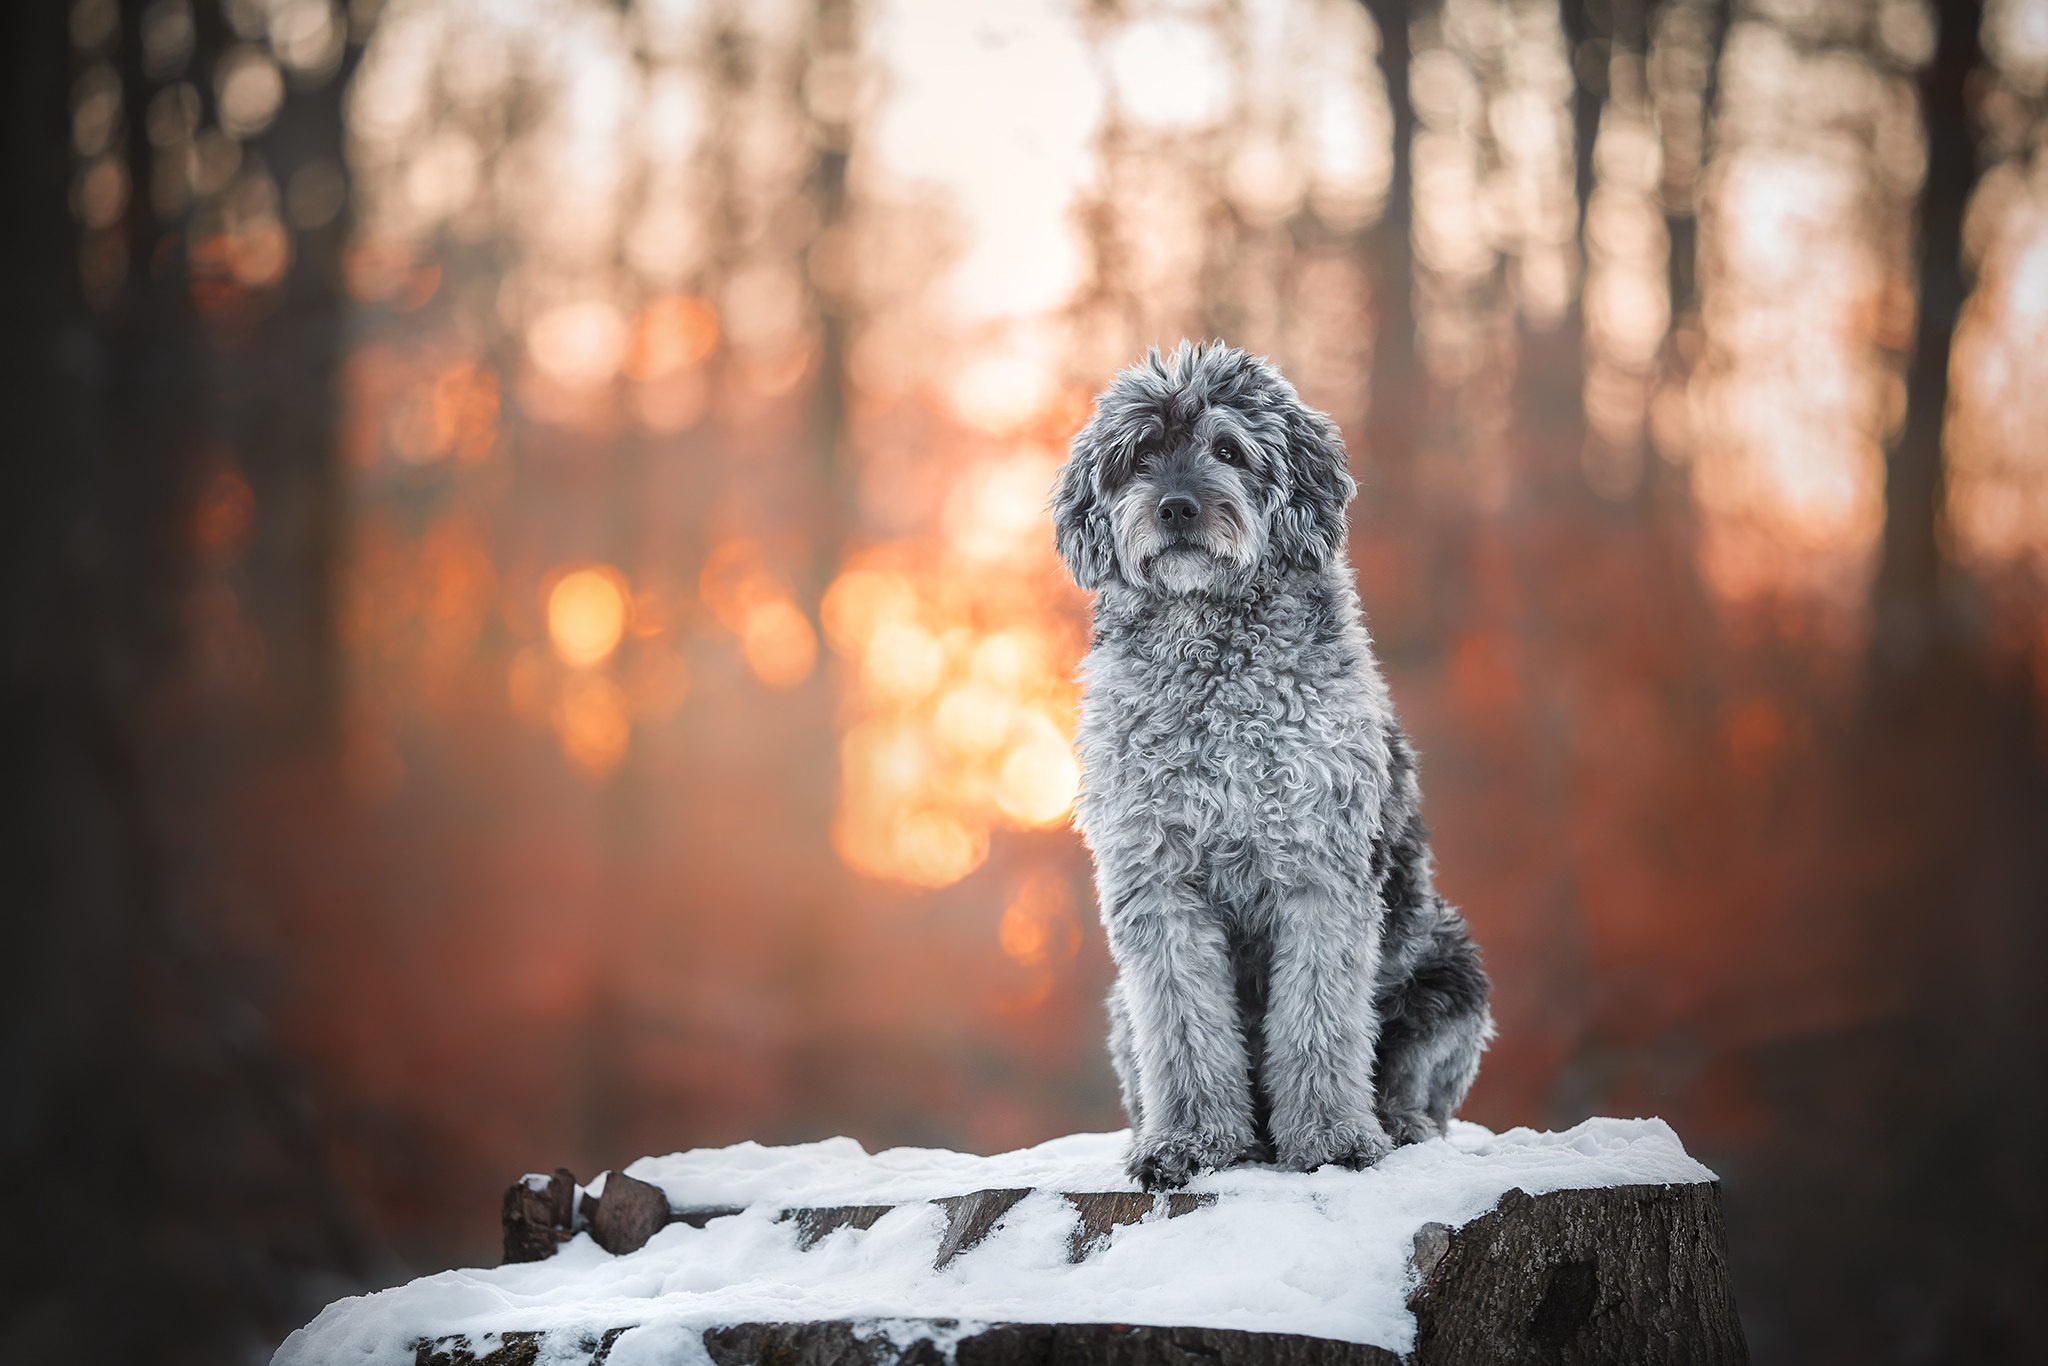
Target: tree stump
x=1621 y=1274
x=1616 y=1274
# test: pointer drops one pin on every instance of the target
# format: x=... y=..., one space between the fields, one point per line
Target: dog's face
x=1197 y=470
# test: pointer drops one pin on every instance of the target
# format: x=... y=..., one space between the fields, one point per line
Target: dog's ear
x=1080 y=524
x=1309 y=528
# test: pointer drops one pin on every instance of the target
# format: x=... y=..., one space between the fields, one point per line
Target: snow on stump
x=1599 y=1244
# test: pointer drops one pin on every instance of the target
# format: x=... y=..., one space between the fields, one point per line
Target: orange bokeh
x=586 y=612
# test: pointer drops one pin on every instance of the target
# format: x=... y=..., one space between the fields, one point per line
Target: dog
x=1290 y=988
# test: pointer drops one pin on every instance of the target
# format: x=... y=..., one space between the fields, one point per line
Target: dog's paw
x=1161 y=1162
x=1356 y=1144
x=1409 y=1126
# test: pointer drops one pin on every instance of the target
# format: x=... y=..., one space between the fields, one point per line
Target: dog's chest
x=1245 y=736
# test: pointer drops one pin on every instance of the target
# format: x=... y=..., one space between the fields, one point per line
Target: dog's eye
x=1229 y=454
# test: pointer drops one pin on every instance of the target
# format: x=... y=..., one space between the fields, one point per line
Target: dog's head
x=1197 y=470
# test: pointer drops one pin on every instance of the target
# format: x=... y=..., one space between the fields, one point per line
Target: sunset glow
x=1805 y=312
x=959 y=719
x=956 y=701
x=545 y=604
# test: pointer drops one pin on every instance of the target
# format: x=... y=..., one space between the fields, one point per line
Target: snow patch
x=1324 y=1253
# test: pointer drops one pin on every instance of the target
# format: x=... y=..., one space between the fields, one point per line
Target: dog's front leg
x=1321 y=1030
x=1194 y=1085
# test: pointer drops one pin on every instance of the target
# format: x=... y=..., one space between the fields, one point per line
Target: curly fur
x=1289 y=985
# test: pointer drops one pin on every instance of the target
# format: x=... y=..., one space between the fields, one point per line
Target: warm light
x=960 y=708
x=884 y=761
x=1038 y=924
x=973 y=721
x=1009 y=659
x=2026 y=291
x=778 y=642
x=1997 y=503
x=669 y=335
x=1798 y=385
x=775 y=636
x=454 y=414
x=764 y=308
x=443 y=178
x=307 y=36
x=1001 y=393
x=455 y=562
x=466 y=412
x=895 y=821
x=859 y=600
x=903 y=659
x=251 y=89
x=578 y=344
x=997 y=511
x=1169 y=72
x=592 y=722
x=258 y=255
x=1039 y=778
x=937 y=848
x=587 y=614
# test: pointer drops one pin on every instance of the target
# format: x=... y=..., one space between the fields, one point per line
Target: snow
x=1324 y=1253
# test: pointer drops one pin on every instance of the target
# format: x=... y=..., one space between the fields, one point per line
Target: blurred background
x=532 y=638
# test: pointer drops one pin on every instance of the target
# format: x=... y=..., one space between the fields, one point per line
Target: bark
x=1628 y=1273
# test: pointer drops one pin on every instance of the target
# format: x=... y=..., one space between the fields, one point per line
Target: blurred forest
x=531 y=631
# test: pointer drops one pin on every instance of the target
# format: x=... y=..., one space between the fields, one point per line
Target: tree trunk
x=1909 y=576
x=1394 y=418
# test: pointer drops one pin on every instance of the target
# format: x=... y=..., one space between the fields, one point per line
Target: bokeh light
x=587 y=615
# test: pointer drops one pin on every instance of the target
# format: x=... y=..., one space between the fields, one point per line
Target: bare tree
x=1397 y=389
x=1909 y=578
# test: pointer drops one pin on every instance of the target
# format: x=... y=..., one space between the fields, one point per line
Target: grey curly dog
x=1289 y=987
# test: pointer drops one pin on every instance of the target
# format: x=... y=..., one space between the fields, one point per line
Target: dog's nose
x=1178 y=509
